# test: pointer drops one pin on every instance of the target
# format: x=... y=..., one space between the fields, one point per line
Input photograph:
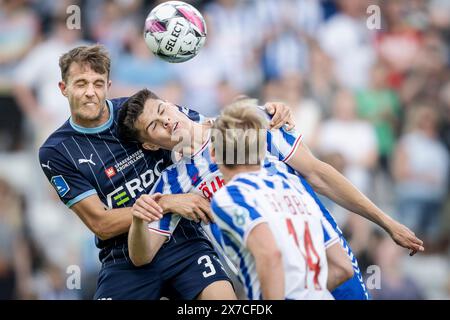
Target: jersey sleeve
x=329 y=234
x=192 y=114
x=166 y=225
x=236 y=212
x=281 y=143
x=63 y=175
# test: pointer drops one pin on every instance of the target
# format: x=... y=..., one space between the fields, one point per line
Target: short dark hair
x=95 y=56
x=130 y=111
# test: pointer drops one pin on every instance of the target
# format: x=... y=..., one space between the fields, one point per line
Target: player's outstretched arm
x=329 y=182
x=340 y=267
x=269 y=263
x=105 y=223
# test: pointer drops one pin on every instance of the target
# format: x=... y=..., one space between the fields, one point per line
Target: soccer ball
x=175 y=31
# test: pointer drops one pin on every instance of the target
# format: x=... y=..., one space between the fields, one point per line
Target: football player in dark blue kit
x=98 y=176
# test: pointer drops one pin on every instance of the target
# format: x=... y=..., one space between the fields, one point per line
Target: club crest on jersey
x=110 y=172
x=240 y=216
x=60 y=185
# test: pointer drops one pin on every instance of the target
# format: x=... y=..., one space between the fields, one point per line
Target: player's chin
x=90 y=112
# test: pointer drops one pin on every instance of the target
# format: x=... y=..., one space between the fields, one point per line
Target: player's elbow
x=344 y=272
x=139 y=253
x=139 y=260
x=100 y=231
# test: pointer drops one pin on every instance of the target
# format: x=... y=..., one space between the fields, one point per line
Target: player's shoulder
x=248 y=182
x=237 y=190
x=118 y=102
x=191 y=114
x=61 y=134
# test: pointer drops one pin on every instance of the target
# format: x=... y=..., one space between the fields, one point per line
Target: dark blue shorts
x=180 y=270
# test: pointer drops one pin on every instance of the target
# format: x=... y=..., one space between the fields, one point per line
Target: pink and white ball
x=175 y=31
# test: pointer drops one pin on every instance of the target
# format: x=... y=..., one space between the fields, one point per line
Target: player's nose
x=90 y=92
x=167 y=123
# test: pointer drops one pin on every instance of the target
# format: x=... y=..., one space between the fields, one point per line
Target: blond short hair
x=239 y=134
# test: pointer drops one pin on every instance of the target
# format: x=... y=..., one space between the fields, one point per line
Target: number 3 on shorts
x=208 y=264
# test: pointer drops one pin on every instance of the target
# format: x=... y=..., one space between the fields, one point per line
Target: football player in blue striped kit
x=270 y=227
x=99 y=176
x=158 y=124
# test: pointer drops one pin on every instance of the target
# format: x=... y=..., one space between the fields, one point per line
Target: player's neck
x=230 y=173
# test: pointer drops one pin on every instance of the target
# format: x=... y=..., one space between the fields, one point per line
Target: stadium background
x=373 y=103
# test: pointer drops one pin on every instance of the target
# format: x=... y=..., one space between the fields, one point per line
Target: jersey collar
x=98 y=129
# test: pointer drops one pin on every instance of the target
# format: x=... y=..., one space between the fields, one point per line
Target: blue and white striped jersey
x=198 y=174
x=80 y=162
x=301 y=232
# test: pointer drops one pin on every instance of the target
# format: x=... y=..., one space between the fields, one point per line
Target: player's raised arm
x=329 y=182
x=289 y=148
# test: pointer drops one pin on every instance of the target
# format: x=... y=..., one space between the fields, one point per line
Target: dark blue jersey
x=80 y=162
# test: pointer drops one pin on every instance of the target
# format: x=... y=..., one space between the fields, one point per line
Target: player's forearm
x=328 y=181
x=139 y=243
x=104 y=223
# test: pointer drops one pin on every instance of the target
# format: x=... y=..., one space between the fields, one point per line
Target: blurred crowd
x=372 y=100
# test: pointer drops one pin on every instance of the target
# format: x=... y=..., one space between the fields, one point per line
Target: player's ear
x=62 y=86
x=212 y=153
x=150 y=146
x=109 y=84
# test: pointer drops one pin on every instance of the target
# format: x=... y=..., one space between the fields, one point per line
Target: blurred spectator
x=420 y=169
x=355 y=141
x=429 y=71
x=307 y=113
x=394 y=284
x=50 y=284
x=445 y=105
x=439 y=16
x=111 y=21
x=347 y=40
x=399 y=42
x=138 y=68
x=15 y=264
x=288 y=26
x=19 y=32
x=380 y=105
x=202 y=79
x=235 y=41
x=321 y=83
x=36 y=81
